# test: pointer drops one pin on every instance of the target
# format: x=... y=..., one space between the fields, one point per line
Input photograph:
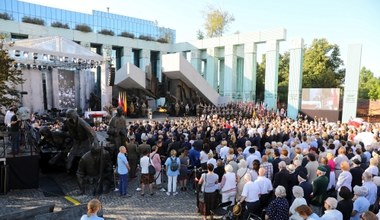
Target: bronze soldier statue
x=95 y=171
x=55 y=141
x=117 y=131
x=81 y=133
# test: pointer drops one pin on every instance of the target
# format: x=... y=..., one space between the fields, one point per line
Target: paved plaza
x=158 y=206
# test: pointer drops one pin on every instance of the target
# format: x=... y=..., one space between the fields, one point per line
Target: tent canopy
x=57 y=46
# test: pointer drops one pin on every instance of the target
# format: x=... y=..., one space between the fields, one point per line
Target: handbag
x=151 y=169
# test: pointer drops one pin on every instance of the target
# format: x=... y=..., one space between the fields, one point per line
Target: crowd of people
x=271 y=166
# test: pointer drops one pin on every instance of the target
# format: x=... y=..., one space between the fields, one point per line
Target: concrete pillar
x=127 y=55
x=351 y=82
x=229 y=71
x=249 y=82
x=212 y=62
x=160 y=101
x=271 y=74
x=295 y=78
x=106 y=91
x=196 y=60
x=144 y=59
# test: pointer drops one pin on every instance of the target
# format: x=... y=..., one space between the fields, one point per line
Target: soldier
x=117 y=131
x=95 y=170
x=133 y=156
x=177 y=108
x=81 y=133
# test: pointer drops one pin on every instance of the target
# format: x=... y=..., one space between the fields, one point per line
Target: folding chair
x=220 y=213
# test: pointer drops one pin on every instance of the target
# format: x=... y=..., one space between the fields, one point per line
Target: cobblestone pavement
x=158 y=206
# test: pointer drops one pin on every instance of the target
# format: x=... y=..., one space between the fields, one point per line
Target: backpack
x=174 y=164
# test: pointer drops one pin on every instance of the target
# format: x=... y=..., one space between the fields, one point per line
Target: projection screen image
x=320 y=99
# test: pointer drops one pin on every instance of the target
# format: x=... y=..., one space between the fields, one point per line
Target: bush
x=30 y=20
x=106 y=32
x=58 y=24
x=83 y=27
x=163 y=40
x=5 y=16
x=127 y=34
x=147 y=38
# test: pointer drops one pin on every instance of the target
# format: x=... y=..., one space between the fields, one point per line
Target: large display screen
x=320 y=99
x=66 y=88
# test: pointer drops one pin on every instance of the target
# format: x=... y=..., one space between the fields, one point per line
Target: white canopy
x=54 y=45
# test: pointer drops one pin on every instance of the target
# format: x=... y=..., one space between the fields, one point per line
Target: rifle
x=99 y=184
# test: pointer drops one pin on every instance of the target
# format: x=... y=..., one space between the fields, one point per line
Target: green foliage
x=147 y=38
x=58 y=24
x=163 y=40
x=283 y=77
x=5 y=16
x=200 y=35
x=30 y=20
x=260 y=80
x=107 y=32
x=165 y=36
x=10 y=77
x=321 y=65
x=369 y=85
x=83 y=27
x=217 y=21
x=126 y=34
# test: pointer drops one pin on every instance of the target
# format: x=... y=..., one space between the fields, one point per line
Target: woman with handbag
x=210 y=186
x=155 y=159
x=146 y=178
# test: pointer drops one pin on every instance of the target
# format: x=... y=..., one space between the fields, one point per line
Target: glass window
x=7 y=6
x=48 y=13
x=33 y=10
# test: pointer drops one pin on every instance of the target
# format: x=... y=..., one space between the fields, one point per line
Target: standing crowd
x=270 y=165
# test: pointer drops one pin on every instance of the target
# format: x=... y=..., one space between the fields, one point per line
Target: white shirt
x=372 y=191
x=250 y=160
x=224 y=152
x=332 y=215
x=144 y=164
x=251 y=192
x=297 y=202
x=374 y=170
x=203 y=157
x=264 y=184
x=246 y=152
x=7 y=118
x=344 y=179
x=212 y=161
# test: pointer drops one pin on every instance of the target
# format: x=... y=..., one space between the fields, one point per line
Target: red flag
x=119 y=100
x=125 y=103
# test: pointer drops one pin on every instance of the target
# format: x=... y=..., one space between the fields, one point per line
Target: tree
x=283 y=77
x=321 y=68
x=10 y=77
x=369 y=85
x=260 y=80
x=217 y=21
x=200 y=35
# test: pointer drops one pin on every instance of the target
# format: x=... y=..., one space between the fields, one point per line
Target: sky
x=341 y=22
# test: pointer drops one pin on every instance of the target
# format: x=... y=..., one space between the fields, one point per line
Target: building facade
x=227 y=64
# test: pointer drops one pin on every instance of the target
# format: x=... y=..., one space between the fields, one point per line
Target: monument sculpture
x=95 y=171
x=82 y=135
x=117 y=131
